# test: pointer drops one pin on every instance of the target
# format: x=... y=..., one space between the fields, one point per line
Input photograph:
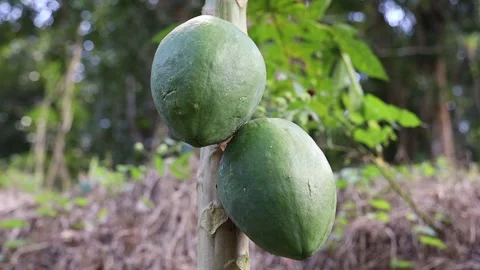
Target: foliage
x=313 y=75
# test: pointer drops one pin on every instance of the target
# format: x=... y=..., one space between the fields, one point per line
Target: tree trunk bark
x=58 y=163
x=443 y=117
x=40 y=145
x=220 y=244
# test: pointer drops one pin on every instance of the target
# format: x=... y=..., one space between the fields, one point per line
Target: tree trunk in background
x=443 y=121
x=399 y=97
x=131 y=85
x=40 y=145
x=58 y=166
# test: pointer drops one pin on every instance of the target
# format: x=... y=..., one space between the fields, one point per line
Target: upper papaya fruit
x=207 y=79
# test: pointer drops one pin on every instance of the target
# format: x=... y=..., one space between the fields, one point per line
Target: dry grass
x=131 y=235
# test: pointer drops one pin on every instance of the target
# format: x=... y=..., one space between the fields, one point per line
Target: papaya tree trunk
x=220 y=244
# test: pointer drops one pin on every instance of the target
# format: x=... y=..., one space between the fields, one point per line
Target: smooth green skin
x=208 y=77
x=277 y=187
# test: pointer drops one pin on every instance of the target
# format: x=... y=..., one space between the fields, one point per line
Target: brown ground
x=131 y=235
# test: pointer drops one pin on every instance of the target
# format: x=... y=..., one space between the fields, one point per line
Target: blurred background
x=90 y=177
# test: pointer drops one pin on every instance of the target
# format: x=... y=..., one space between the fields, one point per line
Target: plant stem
x=220 y=244
x=384 y=168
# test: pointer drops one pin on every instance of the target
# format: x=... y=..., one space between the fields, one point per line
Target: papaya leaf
x=344 y=30
x=374 y=135
x=408 y=119
x=356 y=118
x=362 y=57
x=317 y=8
x=368 y=137
x=376 y=109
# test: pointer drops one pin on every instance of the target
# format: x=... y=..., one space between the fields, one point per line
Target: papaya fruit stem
x=234 y=11
x=220 y=244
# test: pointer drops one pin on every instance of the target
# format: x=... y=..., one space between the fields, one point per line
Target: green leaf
x=15 y=244
x=401 y=264
x=13 y=224
x=80 y=202
x=159 y=165
x=432 y=241
x=427 y=169
x=317 y=8
x=344 y=30
x=362 y=57
x=62 y=201
x=341 y=184
x=46 y=211
x=371 y=171
x=380 y=204
x=382 y=216
x=102 y=214
x=137 y=172
x=46 y=197
x=79 y=225
x=376 y=109
x=374 y=135
x=370 y=137
x=408 y=119
x=180 y=167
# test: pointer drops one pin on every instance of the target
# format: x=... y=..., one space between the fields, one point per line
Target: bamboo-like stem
x=220 y=244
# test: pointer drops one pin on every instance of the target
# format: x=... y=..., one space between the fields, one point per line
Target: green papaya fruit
x=207 y=79
x=277 y=186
